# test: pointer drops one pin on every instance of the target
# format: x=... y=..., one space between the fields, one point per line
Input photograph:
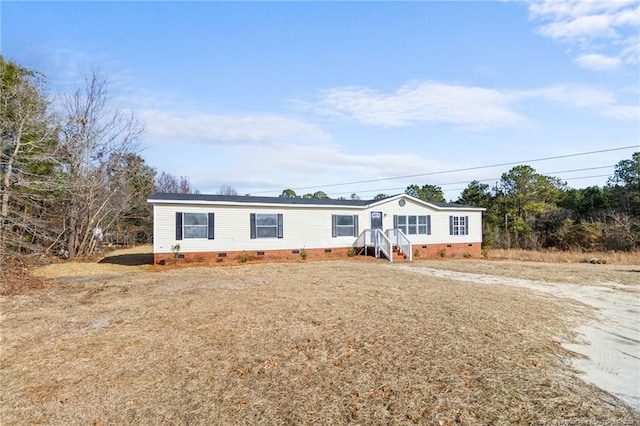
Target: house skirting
x=420 y=251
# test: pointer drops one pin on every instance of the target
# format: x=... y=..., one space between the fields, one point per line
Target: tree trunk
x=71 y=243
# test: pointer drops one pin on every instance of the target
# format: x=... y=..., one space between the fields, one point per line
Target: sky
x=353 y=97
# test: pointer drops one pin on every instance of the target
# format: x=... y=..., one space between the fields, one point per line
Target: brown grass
x=16 y=277
x=291 y=343
x=557 y=256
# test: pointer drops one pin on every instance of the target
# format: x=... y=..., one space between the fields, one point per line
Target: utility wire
x=575 y=178
x=461 y=189
x=462 y=170
x=548 y=174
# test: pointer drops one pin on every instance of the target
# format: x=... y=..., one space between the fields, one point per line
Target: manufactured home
x=199 y=227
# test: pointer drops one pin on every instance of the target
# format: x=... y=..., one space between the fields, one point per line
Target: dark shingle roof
x=163 y=196
x=160 y=196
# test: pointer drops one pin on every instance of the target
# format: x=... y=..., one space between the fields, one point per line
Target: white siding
x=303 y=226
x=439 y=221
x=308 y=227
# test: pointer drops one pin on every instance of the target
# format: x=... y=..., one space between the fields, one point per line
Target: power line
x=462 y=189
x=462 y=170
x=575 y=178
x=549 y=174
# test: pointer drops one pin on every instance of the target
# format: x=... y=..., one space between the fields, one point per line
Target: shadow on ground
x=129 y=259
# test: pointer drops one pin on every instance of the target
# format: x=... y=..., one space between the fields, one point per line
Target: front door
x=376 y=220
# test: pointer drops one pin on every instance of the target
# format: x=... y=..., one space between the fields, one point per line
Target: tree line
x=70 y=173
x=525 y=209
x=529 y=210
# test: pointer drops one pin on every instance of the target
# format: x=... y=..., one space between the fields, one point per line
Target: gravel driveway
x=610 y=342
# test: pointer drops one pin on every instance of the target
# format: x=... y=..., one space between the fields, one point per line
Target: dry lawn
x=291 y=343
x=556 y=256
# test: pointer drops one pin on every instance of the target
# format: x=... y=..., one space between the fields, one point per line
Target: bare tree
x=95 y=138
x=619 y=232
x=168 y=183
x=227 y=190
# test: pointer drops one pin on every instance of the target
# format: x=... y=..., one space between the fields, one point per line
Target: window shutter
x=466 y=225
x=450 y=225
x=395 y=221
x=280 y=225
x=178 y=225
x=428 y=224
x=334 y=230
x=252 y=218
x=210 y=227
x=356 y=228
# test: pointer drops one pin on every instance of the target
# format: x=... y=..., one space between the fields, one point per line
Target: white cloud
x=588 y=98
x=631 y=50
x=290 y=165
x=475 y=107
x=575 y=95
x=593 y=27
x=598 y=62
x=622 y=112
x=224 y=128
x=571 y=9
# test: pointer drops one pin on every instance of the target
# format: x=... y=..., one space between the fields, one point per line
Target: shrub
x=442 y=252
x=176 y=252
x=466 y=255
x=351 y=251
x=416 y=252
x=303 y=253
x=244 y=257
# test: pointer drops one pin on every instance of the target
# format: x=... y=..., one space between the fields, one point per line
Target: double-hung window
x=424 y=225
x=413 y=225
x=401 y=223
x=266 y=225
x=458 y=225
x=344 y=225
x=194 y=225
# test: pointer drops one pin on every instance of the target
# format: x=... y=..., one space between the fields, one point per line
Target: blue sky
x=263 y=96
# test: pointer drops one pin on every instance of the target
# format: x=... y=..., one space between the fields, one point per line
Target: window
x=413 y=225
x=344 y=225
x=422 y=225
x=266 y=225
x=401 y=223
x=458 y=225
x=194 y=225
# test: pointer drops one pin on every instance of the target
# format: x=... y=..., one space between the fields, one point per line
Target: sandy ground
x=364 y=342
x=610 y=341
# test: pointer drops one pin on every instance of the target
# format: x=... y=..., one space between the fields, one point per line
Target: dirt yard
x=353 y=341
